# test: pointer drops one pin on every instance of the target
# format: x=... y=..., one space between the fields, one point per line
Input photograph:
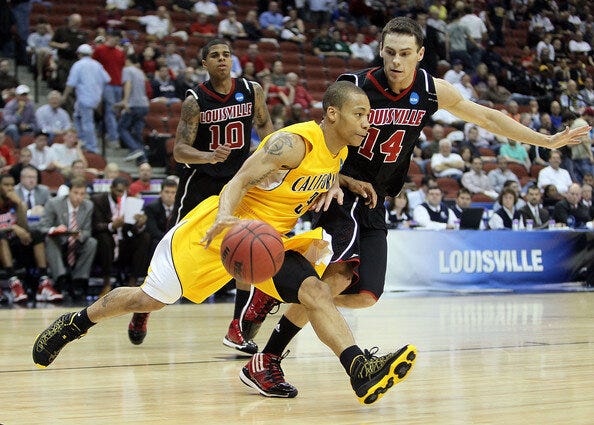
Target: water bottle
x=457 y=224
x=515 y=224
x=552 y=224
x=529 y=224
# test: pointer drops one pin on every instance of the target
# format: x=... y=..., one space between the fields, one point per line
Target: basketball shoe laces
x=264 y=305
x=371 y=365
x=275 y=373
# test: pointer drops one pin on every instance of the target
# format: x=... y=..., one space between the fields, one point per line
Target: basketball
x=252 y=251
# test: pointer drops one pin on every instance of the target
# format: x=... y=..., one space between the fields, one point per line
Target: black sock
x=241 y=298
x=9 y=271
x=282 y=334
x=42 y=271
x=348 y=356
x=82 y=321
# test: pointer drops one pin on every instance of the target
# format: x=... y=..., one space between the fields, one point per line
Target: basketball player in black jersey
x=212 y=142
x=402 y=97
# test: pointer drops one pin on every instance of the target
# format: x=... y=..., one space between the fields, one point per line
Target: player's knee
x=313 y=293
x=339 y=276
x=140 y=302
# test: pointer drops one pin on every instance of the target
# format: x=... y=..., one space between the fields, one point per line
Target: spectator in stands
x=501 y=174
x=293 y=28
x=64 y=154
x=295 y=115
x=434 y=49
x=578 y=45
x=19 y=115
x=173 y=59
x=571 y=211
x=463 y=201
x=41 y=155
x=24 y=160
x=87 y=78
x=38 y=46
x=148 y=61
x=587 y=195
x=505 y=216
x=207 y=7
x=253 y=55
x=476 y=181
x=417 y=197
x=550 y=197
x=159 y=212
x=360 y=50
x=323 y=43
x=75 y=171
x=111 y=171
x=587 y=93
x=555 y=175
x=398 y=215
x=433 y=214
x=466 y=88
x=581 y=154
x=163 y=87
x=33 y=194
x=252 y=27
x=186 y=80
x=445 y=163
x=230 y=27
x=457 y=40
x=478 y=32
x=545 y=48
x=8 y=82
x=18 y=242
x=248 y=71
x=143 y=183
x=320 y=12
x=203 y=27
x=113 y=59
x=533 y=209
x=301 y=96
x=159 y=25
x=475 y=143
x=118 y=243
x=66 y=41
x=67 y=222
x=571 y=98
x=7 y=159
x=135 y=108
x=272 y=19
x=516 y=153
x=540 y=19
x=52 y=118
x=278 y=76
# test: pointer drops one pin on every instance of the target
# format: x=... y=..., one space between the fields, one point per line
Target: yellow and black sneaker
x=48 y=343
x=372 y=376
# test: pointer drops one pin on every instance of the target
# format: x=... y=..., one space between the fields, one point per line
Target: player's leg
x=71 y=326
x=235 y=338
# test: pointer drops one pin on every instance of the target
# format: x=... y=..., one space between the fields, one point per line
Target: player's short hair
x=338 y=93
x=211 y=43
x=404 y=25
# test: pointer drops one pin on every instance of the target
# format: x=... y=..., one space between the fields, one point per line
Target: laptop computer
x=471 y=218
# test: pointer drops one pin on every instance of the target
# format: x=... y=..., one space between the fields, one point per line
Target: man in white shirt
x=555 y=175
x=454 y=75
x=51 y=117
x=501 y=174
x=41 y=156
x=476 y=180
x=433 y=214
x=360 y=50
x=417 y=197
x=445 y=163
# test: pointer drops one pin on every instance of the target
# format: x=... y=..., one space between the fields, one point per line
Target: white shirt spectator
x=360 y=50
x=438 y=159
x=117 y=4
x=421 y=216
x=559 y=177
x=542 y=45
x=40 y=159
x=207 y=7
x=475 y=25
x=159 y=27
x=579 y=46
x=453 y=75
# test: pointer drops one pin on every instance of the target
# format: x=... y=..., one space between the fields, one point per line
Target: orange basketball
x=252 y=251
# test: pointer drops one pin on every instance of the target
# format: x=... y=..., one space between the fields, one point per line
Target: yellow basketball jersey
x=279 y=201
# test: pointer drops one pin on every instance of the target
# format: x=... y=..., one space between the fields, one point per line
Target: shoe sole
x=399 y=369
x=247 y=381
x=40 y=366
x=245 y=350
x=136 y=341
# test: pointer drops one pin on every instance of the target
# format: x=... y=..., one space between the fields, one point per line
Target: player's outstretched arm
x=183 y=151
x=282 y=151
x=497 y=122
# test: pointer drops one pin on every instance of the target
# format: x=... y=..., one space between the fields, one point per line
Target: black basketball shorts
x=293 y=272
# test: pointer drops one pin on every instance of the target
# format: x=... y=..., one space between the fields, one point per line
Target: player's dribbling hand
x=324 y=200
x=220 y=154
x=217 y=227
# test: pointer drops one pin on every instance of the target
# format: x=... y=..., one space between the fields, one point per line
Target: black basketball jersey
x=396 y=123
x=224 y=119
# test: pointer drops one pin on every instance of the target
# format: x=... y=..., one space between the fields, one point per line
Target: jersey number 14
x=390 y=148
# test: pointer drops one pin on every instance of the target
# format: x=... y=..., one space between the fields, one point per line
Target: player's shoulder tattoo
x=279 y=144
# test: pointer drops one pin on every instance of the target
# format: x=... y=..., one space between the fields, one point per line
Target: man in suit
x=570 y=211
x=67 y=223
x=158 y=213
x=533 y=210
x=34 y=195
x=118 y=241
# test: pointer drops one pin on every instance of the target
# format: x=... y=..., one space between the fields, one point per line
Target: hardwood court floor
x=505 y=359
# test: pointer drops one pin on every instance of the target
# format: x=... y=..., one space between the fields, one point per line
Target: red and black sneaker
x=253 y=314
x=137 y=328
x=17 y=291
x=264 y=374
x=235 y=339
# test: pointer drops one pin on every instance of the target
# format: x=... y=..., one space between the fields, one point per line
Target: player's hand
x=324 y=200
x=220 y=154
x=118 y=222
x=220 y=224
x=569 y=137
x=363 y=189
x=22 y=234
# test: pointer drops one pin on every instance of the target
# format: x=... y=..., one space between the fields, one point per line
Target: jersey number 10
x=233 y=135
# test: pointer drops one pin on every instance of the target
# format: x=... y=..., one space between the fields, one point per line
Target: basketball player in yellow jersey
x=289 y=171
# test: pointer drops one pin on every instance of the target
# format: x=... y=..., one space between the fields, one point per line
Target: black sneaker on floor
x=48 y=343
x=137 y=328
x=235 y=339
x=372 y=377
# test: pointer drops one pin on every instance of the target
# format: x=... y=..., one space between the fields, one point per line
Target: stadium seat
x=52 y=179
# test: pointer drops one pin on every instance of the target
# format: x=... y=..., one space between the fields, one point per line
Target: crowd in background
x=111 y=71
